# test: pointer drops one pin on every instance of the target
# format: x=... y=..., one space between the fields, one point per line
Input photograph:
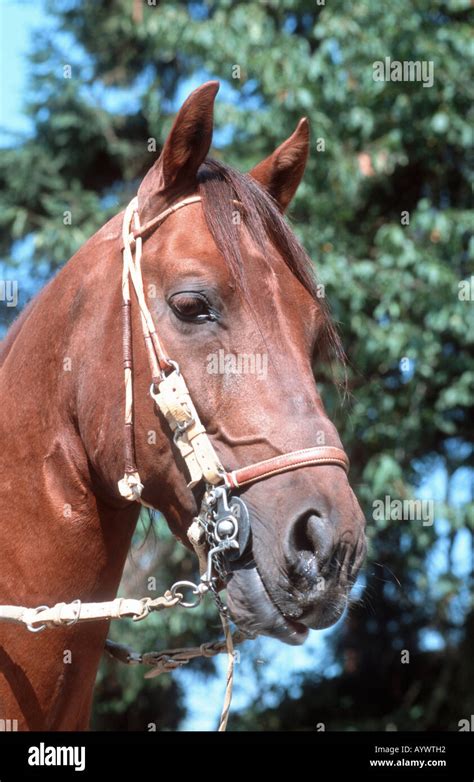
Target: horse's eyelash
x=191 y=293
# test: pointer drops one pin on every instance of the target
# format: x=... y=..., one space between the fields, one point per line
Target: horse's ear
x=185 y=148
x=281 y=172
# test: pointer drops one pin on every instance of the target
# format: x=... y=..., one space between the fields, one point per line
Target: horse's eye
x=191 y=307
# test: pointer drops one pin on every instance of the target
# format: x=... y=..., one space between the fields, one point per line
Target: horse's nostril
x=321 y=560
x=310 y=545
x=311 y=536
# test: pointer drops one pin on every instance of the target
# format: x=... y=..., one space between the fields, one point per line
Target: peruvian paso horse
x=216 y=285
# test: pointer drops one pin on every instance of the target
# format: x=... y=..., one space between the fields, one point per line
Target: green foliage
x=380 y=150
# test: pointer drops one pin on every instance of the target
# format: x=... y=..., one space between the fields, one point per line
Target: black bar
x=437 y=756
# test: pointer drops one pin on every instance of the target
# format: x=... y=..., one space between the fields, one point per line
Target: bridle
x=221 y=530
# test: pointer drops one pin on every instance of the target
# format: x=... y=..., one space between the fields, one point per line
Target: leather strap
x=141 y=230
x=306 y=457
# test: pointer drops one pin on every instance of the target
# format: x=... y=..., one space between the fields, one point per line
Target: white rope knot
x=131 y=487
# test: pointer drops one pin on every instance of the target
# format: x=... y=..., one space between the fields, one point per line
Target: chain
x=220 y=529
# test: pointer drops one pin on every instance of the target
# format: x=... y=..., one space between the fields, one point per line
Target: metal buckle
x=197 y=589
x=176 y=368
x=181 y=428
x=41 y=627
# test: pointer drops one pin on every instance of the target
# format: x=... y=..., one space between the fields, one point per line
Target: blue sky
x=17 y=22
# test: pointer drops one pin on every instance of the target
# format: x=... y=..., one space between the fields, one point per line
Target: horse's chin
x=255 y=613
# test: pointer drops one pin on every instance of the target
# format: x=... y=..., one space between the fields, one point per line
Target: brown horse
x=215 y=288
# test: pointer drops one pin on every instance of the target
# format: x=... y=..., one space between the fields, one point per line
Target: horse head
x=232 y=295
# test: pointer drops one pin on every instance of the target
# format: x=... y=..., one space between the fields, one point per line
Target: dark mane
x=219 y=185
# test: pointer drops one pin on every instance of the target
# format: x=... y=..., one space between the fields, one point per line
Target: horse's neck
x=61 y=539
x=53 y=521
